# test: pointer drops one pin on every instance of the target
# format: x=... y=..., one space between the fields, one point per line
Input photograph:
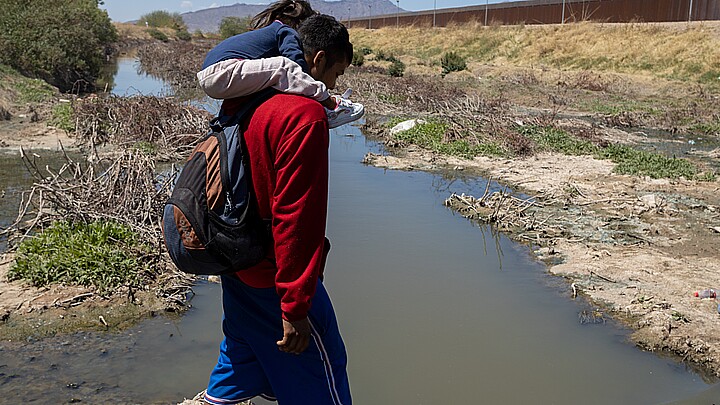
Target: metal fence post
x=486 y=7
x=370 y=17
x=397 y=14
x=563 y=13
x=690 y=12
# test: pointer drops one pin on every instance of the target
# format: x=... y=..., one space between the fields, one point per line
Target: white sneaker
x=346 y=111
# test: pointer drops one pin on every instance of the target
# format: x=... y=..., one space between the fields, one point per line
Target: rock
x=406 y=125
x=650 y=200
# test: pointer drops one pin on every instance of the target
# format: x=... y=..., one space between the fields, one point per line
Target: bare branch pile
x=173 y=127
x=124 y=189
x=175 y=62
x=507 y=212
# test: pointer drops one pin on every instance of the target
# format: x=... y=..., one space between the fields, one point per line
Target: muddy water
x=434 y=310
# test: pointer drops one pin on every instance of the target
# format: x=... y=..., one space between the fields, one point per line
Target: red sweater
x=287 y=141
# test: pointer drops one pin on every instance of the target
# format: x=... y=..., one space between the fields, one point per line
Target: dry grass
x=132 y=31
x=690 y=52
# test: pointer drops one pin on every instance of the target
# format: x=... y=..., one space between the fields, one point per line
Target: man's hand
x=296 y=336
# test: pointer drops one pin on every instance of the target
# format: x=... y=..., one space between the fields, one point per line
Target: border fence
x=551 y=12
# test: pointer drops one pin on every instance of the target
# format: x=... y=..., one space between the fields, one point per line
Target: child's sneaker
x=346 y=111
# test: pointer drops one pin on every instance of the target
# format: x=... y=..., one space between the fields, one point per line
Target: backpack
x=211 y=224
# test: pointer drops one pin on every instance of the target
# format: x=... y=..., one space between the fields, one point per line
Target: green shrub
x=381 y=55
x=61 y=42
x=365 y=50
x=231 y=26
x=162 y=19
x=157 y=34
x=102 y=254
x=396 y=69
x=183 y=35
x=358 y=59
x=63 y=117
x=452 y=62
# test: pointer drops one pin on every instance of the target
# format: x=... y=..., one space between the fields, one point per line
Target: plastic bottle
x=706 y=294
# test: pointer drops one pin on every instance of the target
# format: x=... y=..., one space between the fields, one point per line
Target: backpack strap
x=223 y=121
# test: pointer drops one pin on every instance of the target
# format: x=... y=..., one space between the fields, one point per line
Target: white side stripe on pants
x=328 y=366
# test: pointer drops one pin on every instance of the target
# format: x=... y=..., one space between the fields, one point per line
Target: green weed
x=157 y=34
x=452 y=62
x=33 y=90
x=431 y=135
x=642 y=163
x=556 y=140
x=711 y=76
x=358 y=58
x=628 y=160
x=707 y=128
x=102 y=254
x=62 y=117
x=396 y=69
x=614 y=107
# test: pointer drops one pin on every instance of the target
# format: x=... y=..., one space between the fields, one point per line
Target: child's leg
x=237 y=78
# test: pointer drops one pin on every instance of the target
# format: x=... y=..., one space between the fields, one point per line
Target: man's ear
x=319 y=60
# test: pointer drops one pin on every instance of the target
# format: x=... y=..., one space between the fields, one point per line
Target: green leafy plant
x=396 y=69
x=431 y=135
x=157 y=34
x=642 y=163
x=628 y=160
x=358 y=58
x=553 y=139
x=101 y=254
x=452 y=62
x=62 y=117
x=183 y=35
x=33 y=90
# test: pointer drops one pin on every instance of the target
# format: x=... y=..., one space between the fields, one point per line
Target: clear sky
x=128 y=10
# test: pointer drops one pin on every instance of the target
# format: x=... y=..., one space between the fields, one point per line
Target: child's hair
x=290 y=12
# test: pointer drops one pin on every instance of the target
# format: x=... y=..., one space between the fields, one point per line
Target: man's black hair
x=322 y=32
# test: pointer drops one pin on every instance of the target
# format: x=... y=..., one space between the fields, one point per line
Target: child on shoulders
x=271 y=55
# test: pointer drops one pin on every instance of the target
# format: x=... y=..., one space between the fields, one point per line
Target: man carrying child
x=281 y=336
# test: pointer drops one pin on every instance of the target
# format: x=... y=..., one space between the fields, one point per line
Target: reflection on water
x=122 y=77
